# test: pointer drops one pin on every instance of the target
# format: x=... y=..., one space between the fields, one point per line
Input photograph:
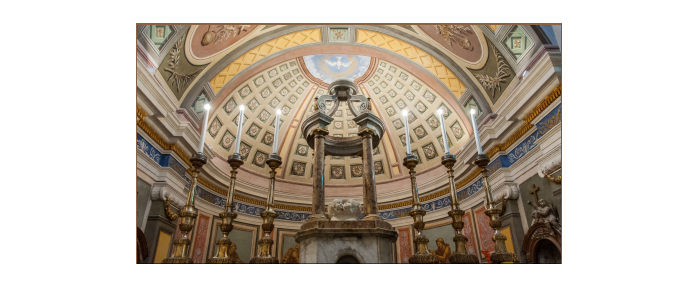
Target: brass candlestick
x=422 y=255
x=268 y=215
x=227 y=216
x=187 y=216
x=494 y=210
x=461 y=256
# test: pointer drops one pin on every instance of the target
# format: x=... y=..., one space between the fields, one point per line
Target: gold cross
x=534 y=191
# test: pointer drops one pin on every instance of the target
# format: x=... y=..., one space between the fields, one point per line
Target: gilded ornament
x=169 y=214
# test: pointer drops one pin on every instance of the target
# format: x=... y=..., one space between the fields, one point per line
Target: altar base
x=369 y=241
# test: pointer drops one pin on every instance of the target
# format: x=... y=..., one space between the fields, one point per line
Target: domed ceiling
x=287 y=87
x=267 y=67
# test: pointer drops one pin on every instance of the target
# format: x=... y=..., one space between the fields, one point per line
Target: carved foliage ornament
x=492 y=83
x=455 y=33
x=223 y=32
x=179 y=80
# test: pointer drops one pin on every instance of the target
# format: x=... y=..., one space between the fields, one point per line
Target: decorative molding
x=550 y=163
x=508 y=190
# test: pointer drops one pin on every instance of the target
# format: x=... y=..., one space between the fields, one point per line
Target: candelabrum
x=187 y=215
x=461 y=255
x=227 y=216
x=268 y=215
x=493 y=210
x=422 y=255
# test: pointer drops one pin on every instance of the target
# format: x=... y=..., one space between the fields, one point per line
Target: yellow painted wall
x=161 y=248
x=509 y=243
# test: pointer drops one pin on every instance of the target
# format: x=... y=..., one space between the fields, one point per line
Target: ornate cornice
x=556 y=93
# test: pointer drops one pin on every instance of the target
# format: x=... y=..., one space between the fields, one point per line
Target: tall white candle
x=477 y=137
x=203 y=128
x=407 y=132
x=443 y=130
x=237 y=140
x=276 y=131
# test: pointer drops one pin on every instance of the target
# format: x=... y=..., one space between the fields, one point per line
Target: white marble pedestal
x=367 y=241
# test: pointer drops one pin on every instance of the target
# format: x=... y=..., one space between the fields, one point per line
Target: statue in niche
x=291 y=256
x=233 y=254
x=544 y=213
x=443 y=252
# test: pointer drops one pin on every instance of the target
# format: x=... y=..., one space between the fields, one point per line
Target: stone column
x=370 y=197
x=318 y=207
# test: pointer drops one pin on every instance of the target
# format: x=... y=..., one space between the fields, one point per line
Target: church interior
x=396 y=144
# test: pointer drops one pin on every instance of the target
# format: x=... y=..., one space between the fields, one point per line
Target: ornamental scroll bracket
x=507 y=190
x=162 y=191
x=343 y=90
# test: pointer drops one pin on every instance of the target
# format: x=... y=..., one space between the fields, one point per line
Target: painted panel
x=486 y=233
x=405 y=245
x=199 y=250
x=161 y=249
x=469 y=233
x=244 y=241
x=442 y=233
x=288 y=242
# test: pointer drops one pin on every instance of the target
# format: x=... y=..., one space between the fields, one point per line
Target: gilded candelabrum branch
x=422 y=255
x=187 y=215
x=268 y=215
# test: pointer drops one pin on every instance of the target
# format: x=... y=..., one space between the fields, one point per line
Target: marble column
x=370 y=196
x=318 y=206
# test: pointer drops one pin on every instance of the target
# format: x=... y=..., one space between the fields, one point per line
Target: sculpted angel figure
x=544 y=213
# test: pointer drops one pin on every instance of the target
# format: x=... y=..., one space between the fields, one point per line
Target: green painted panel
x=243 y=242
x=289 y=242
x=446 y=232
x=142 y=197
